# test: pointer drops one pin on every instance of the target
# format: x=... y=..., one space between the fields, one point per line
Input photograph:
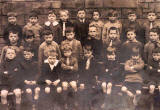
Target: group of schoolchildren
x=82 y=65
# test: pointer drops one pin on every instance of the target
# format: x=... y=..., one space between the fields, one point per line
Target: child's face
x=13 y=38
x=64 y=16
x=67 y=53
x=111 y=57
x=131 y=35
x=113 y=34
x=135 y=57
x=156 y=56
x=10 y=54
x=70 y=36
x=52 y=59
x=29 y=40
x=52 y=17
x=151 y=17
x=81 y=14
x=153 y=36
x=28 y=55
x=96 y=16
x=113 y=18
x=87 y=52
x=132 y=17
x=93 y=32
x=12 y=20
x=48 y=38
x=33 y=20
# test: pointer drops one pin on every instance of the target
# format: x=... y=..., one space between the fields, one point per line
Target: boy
x=129 y=44
x=13 y=42
x=53 y=25
x=64 y=21
x=148 y=48
x=12 y=24
x=96 y=44
x=47 y=46
x=113 y=39
x=112 y=22
x=134 y=74
x=133 y=23
x=150 y=23
x=29 y=42
x=81 y=26
x=75 y=44
x=10 y=74
x=34 y=26
x=97 y=22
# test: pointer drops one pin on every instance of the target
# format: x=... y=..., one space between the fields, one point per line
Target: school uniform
x=81 y=30
x=56 y=30
x=76 y=48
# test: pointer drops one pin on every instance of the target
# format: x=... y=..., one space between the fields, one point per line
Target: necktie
x=111 y=43
x=64 y=28
x=88 y=64
x=68 y=61
x=151 y=25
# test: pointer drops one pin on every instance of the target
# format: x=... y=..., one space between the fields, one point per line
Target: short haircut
x=64 y=10
x=69 y=29
x=28 y=49
x=113 y=12
x=66 y=47
x=14 y=31
x=11 y=48
x=130 y=29
x=156 y=50
x=96 y=10
x=52 y=53
x=111 y=50
x=29 y=34
x=113 y=28
x=155 y=30
x=33 y=14
x=51 y=12
x=47 y=32
x=81 y=9
x=151 y=11
x=132 y=12
x=12 y=14
x=88 y=45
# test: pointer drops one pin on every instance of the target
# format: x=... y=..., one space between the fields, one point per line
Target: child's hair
x=157 y=50
x=155 y=30
x=111 y=50
x=81 y=9
x=14 y=31
x=130 y=29
x=64 y=10
x=66 y=47
x=29 y=34
x=96 y=10
x=52 y=53
x=51 y=12
x=113 y=12
x=88 y=45
x=93 y=26
x=11 y=48
x=136 y=51
x=69 y=29
x=131 y=12
x=33 y=14
x=11 y=14
x=113 y=28
x=47 y=32
x=151 y=11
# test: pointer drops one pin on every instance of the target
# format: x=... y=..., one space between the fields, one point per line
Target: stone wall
x=24 y=7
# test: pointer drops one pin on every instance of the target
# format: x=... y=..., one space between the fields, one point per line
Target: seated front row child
x=69 y=65
x=153 y=70
x=133 y=74
x=10 y=77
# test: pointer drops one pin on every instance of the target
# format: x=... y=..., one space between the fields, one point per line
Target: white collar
x=48 y=23
x=55 y=64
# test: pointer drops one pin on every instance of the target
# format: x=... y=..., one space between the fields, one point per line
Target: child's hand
x=104 y=87
x=5 y=72
x=49 y=82
x=4 y=94
x=150 y=67
x=59 y=89
x=33 y=82
x=28 y=91
x=158 y=70
x=65 y=85
x=82 y=86
x=74 y=85
x=124 y=89
x=47 y=90
x=151 y=89
x=55 y=83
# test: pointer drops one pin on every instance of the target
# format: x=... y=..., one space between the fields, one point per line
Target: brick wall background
x=23 y=7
